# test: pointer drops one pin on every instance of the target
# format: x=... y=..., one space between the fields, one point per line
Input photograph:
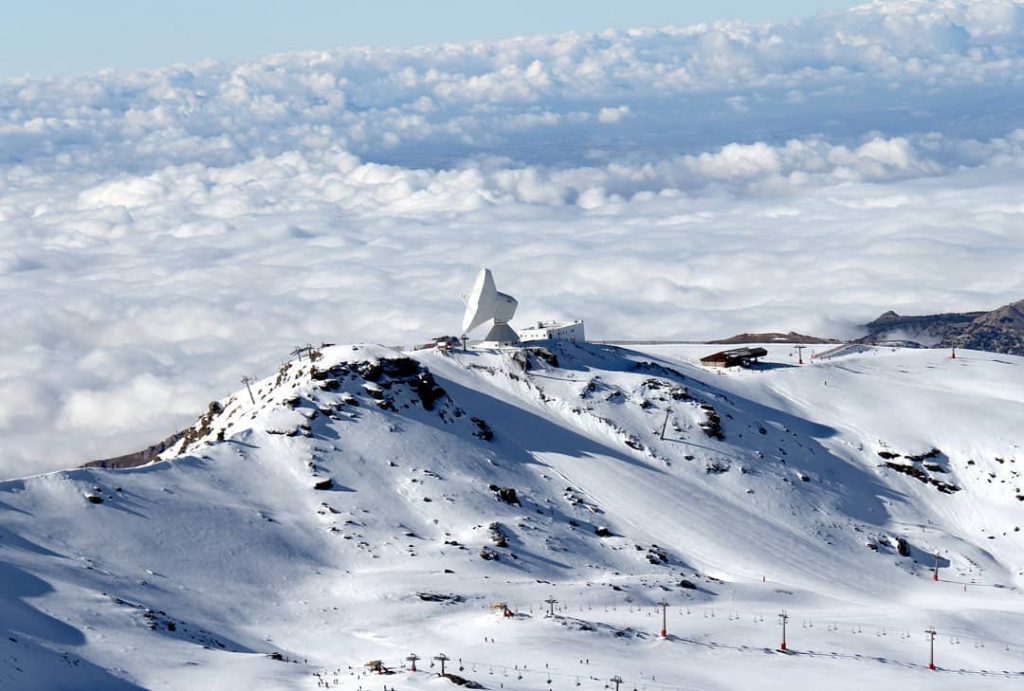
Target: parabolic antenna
x=484 y=303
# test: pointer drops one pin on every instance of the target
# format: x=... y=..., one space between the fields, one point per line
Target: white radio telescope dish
x=484 y=303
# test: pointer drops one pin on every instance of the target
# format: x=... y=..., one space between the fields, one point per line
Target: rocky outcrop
x=773 y=337
x=998 y=331
x=133 y=460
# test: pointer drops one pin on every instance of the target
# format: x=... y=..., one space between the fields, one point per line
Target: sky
x=68 y=36
x=166 y=230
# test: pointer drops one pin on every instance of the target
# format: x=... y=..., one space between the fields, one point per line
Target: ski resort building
x=737 y=357
x=554 y=331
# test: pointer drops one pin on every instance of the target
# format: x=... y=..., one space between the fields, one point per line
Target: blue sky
x=67 y=36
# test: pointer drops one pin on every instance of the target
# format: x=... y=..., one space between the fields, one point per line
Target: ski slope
x=359 y=508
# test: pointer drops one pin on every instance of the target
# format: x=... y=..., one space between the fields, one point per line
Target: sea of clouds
x=164 y=232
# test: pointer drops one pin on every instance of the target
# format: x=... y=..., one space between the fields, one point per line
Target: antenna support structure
x=485 y=304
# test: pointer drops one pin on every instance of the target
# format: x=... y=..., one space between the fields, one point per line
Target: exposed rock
x=922 y=475
x=369 y=370
x=712 y=424
x=374 y=391
x=498 y=534
x=444 y=598
x=998 y=331
x=505 y=494
x=427 y=389
x=483 y=430
x=545 y=355
x=462 y=681
x=633 y=443
x=773 y=337
x=657 y=555
x=902 y=547
x=928 y=329
x=133 y=460
x=400 y=367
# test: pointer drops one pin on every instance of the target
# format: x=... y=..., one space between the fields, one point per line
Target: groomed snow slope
x=636 y=477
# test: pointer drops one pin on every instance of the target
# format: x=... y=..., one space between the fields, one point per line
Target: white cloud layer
x=164 y=232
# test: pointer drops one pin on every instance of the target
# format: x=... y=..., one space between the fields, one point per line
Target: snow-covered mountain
x=368 y=503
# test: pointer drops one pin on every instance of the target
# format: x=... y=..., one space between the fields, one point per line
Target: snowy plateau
x=372 y=504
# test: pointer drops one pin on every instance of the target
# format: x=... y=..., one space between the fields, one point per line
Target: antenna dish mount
x=484 y=303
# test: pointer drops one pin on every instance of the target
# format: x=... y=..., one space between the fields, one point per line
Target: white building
x=554 y=331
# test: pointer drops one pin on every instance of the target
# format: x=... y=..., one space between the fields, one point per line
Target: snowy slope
x=359 y=508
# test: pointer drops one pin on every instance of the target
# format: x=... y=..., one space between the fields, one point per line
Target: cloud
x=612 y=116
x=164 y=232
x=140 y=401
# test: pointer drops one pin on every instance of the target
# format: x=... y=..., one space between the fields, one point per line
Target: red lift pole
x=783 y=617
x=935 y=574
x=664 y=618
x=800 y=354
x=412 y=658
x=931 y=647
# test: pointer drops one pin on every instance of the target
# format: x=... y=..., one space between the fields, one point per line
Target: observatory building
x=485 y=304
x=554 y=331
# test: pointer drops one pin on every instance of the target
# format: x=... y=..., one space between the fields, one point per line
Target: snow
x=228 y=542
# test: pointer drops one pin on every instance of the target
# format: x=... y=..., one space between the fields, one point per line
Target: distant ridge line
x=626 y=342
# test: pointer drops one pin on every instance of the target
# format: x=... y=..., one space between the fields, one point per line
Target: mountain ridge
x=372 y=501
x=997 y=331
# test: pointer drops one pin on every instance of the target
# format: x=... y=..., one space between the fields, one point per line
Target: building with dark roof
x=737 y=357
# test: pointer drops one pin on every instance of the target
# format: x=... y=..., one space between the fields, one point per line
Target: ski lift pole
x=931 y=647
x=248 y=380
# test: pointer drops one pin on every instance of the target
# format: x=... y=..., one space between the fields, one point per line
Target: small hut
x=502 y=609
x=737 y=357
x=377 y=666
